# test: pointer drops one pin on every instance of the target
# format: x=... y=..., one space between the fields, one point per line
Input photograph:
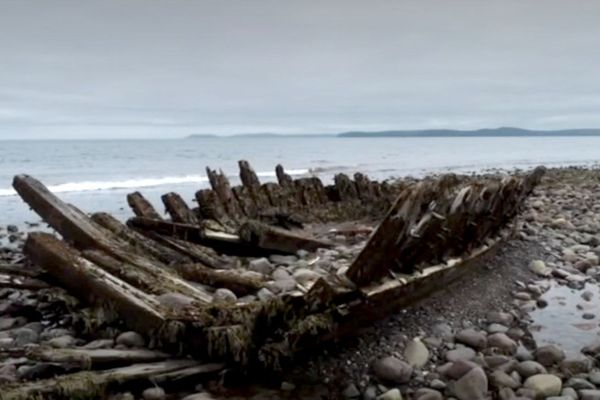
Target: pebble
x=472 y=386
x=416 y=353
x=463 y=353
x=261 y=265
x=502 y=342
x=544 y=385
x=472 y=338
x=538 y=267
x=61 y=342
x=393 y=394
x=175 y=301
x=23 y=336
x=131 y=339
x=392 y=369
x=549 y=355
x=529 y=368
x=223 y=295
x=155 y=393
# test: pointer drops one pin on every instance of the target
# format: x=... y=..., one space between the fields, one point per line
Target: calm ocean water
x=96 y=175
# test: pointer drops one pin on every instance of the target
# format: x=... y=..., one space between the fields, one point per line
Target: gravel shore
x=523 y=324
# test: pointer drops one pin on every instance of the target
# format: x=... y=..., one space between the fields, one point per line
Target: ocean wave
x=136 y=183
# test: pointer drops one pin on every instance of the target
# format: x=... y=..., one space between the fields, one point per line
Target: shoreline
x=492 y=305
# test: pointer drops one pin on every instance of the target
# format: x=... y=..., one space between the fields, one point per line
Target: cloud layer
x=167 y=69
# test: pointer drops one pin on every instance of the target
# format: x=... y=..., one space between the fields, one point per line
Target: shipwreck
x=200 y=283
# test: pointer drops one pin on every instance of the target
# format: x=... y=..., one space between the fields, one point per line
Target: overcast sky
x=79 y=69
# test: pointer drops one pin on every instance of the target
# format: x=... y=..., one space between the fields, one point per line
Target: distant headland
x=494 y=132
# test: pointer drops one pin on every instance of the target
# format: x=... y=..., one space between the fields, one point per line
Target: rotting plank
x=88 y=384
x=276 y=239
x=96 y=358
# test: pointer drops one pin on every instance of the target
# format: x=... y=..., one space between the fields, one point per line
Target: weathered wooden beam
x=178 y=209
x=96 y=358
x=145 y=245
x=88 y=384
x=276 y=239
x=284 y=179
x=221 y=242
x=141 y=207
x=220 y=185
x=87 y=281
x=240 y=285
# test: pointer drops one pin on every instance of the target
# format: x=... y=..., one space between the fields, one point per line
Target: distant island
x=495 y=132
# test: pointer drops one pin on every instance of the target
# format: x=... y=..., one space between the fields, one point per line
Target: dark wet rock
x=549 y=355
x=472 y=386
x=392 y=369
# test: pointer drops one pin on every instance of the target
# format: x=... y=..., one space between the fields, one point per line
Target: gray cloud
x=166 y=69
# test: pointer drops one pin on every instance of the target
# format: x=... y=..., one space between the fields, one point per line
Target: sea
x=96 y=175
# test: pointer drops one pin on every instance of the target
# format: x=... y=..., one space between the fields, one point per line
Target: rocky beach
x=522 y=324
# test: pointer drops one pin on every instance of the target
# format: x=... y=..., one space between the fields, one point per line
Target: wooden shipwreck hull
x=171 y=279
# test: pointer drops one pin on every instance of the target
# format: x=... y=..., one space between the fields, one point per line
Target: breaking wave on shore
x=139 y=183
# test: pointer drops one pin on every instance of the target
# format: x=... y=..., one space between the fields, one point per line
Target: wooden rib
x=231 y=280
x=178 y=209
x=141 y=207
x=96 y=358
